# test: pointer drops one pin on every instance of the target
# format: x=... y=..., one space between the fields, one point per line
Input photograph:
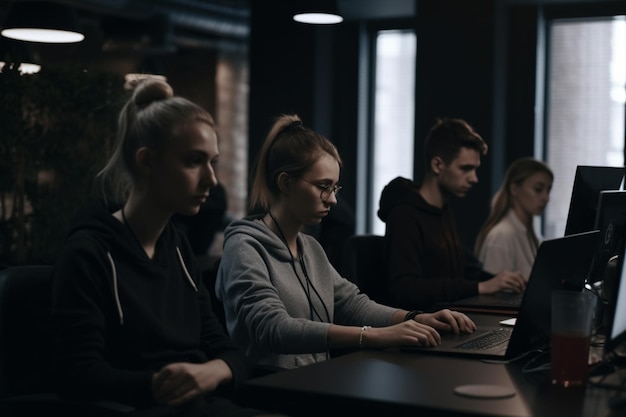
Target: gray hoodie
x=279 y=309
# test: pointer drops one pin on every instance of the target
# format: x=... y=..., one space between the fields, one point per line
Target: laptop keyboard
x=488 y=340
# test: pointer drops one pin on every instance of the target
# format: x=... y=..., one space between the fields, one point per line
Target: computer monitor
x=588 y=182
x=616 y=332
x=610 y=221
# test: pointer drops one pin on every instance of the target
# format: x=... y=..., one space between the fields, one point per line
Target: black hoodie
x=120 y=316
x=426 y=261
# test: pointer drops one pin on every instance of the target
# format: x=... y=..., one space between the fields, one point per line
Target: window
x=394 y=115
x=585 y=105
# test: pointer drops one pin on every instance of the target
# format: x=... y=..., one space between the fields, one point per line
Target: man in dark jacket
x=427 y=264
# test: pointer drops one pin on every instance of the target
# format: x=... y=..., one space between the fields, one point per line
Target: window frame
x=547 y=15
x=366 y=112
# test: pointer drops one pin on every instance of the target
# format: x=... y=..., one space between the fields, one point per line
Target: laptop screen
x=561 y=263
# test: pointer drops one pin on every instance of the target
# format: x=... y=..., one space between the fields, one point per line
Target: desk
x=396 y=383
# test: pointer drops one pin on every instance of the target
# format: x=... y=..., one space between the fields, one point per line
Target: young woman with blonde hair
x=133 y=321
x=507 y=239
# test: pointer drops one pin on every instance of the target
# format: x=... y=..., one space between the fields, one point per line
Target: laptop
x=510 y=302
x=561 y=263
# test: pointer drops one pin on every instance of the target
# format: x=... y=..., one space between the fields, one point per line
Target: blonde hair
x=502 y=201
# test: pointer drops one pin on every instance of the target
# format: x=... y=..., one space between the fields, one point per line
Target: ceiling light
x=36 y=21
x=24 y=68
x=18 y=53
x=318 y=12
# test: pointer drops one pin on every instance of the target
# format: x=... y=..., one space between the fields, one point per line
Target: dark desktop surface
x=401 y=383
x=393 y=383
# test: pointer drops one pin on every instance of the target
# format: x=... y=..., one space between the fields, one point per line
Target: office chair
x=364 y=264
x=27 y=346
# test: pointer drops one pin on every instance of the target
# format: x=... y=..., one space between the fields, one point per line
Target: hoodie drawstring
x=182 y=263
x=116 y=294
x=115 y=291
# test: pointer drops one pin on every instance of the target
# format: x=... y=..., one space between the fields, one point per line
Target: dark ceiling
x=153 y=26
x=143 y=32
x=118 y=28
x=157 y=26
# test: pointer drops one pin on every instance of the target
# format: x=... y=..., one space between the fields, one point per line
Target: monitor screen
x=616 y=334
x=610 y=221
x=588 y=182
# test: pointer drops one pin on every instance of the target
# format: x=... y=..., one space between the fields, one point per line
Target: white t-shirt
x=507 y=247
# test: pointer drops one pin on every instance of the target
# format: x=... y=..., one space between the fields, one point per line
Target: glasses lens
x=326 y=192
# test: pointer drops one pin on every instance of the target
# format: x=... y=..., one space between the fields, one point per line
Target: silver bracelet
x=363 y=329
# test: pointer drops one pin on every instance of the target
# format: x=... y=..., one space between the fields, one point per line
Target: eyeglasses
x=326 y=189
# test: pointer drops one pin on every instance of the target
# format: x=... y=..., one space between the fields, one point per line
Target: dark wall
x=282 y=70
x=345 y=104
x=304 y=69
x=455 y=78
x=521 y=80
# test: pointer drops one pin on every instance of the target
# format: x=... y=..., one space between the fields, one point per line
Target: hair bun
x=293 y=124
x=150 y=90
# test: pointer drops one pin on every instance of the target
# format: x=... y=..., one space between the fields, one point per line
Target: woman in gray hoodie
x=284 y=302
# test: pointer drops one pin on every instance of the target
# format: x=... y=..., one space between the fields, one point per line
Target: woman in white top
x=507 y=239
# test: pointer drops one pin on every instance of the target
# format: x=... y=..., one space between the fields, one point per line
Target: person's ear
x=144 y=161
x=282 y=182
x=437 y=164
x=514 y=189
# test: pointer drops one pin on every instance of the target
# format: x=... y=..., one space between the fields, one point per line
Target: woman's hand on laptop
x=406 y=333
x=447 y=321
